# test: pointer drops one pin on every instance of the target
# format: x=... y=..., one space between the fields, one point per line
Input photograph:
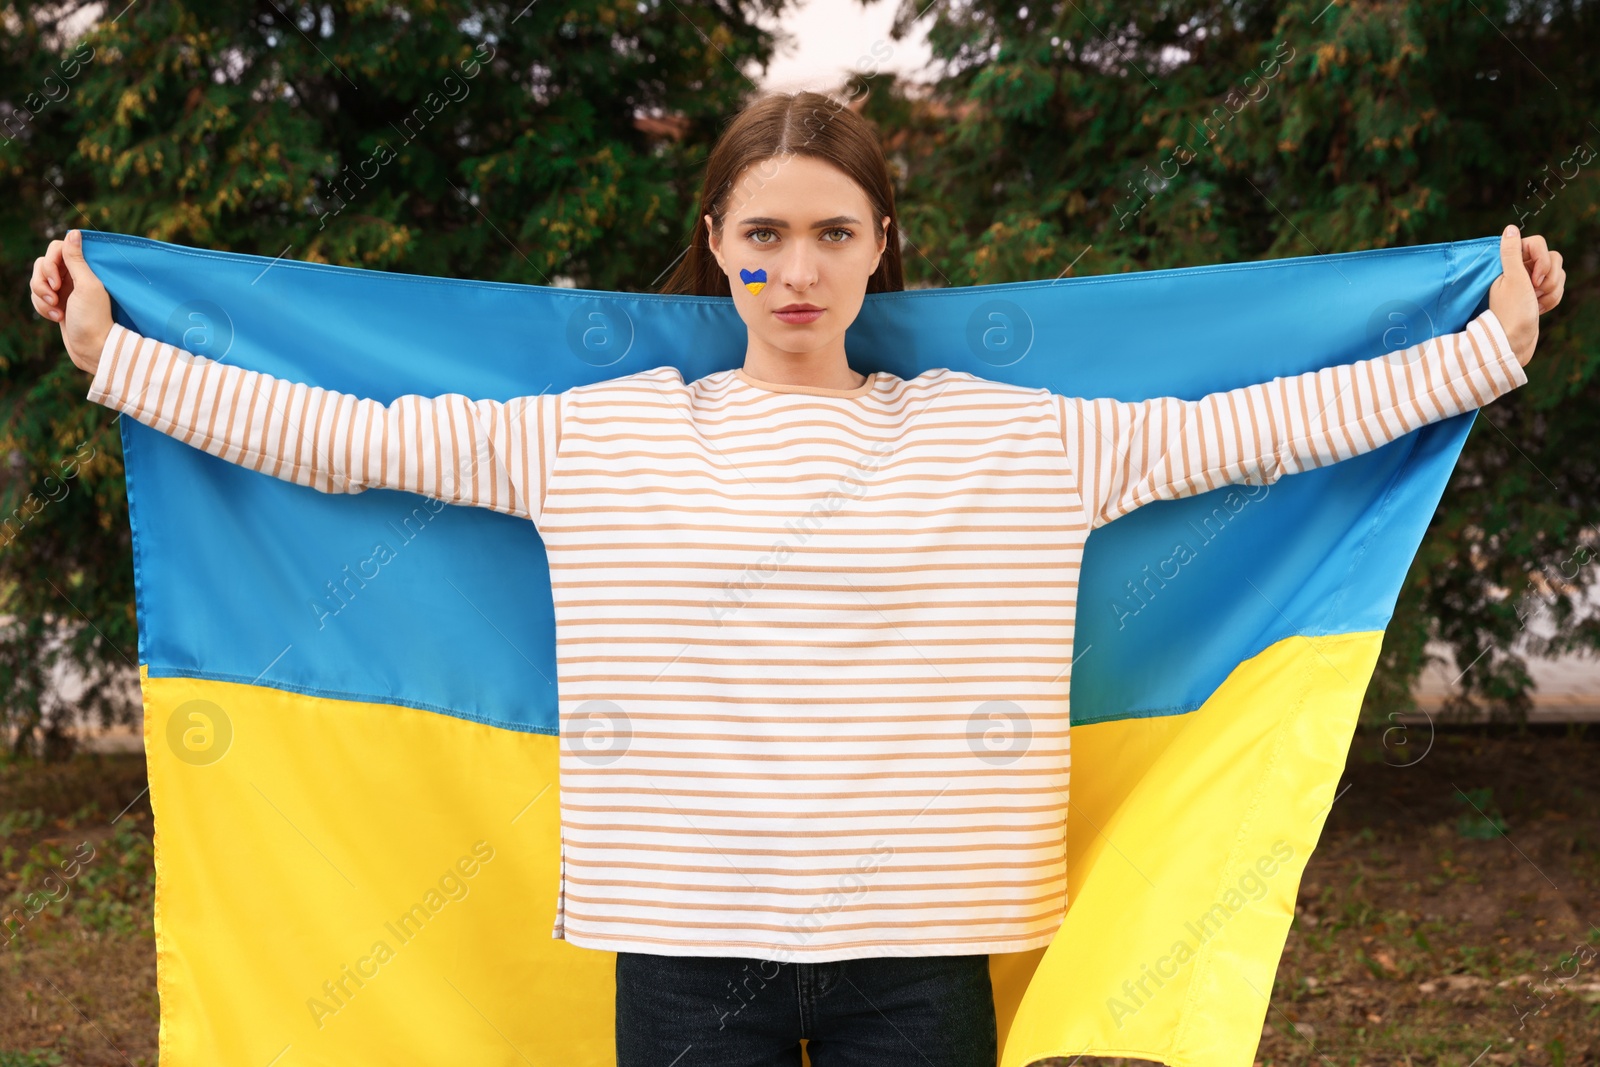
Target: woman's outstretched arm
x=1129 y=454
x=486 y=452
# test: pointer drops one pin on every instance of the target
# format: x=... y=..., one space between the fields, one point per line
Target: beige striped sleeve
x=1127 y=454
x=489 y=453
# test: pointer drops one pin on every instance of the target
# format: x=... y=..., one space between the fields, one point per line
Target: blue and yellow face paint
x=754 y=280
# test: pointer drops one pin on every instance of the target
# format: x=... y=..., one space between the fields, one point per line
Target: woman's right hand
x=66 y=291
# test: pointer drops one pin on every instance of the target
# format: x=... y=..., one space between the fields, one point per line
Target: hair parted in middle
x=769 y=130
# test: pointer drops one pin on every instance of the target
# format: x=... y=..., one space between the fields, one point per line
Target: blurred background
x=1450 y=915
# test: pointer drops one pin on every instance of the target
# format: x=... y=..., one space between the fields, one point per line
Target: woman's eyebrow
x=767 y=220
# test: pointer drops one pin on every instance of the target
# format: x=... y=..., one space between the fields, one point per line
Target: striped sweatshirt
x=814 y=646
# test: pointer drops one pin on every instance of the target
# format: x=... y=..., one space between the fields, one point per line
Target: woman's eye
x=753 y=235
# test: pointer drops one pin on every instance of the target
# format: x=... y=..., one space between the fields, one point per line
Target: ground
x=1449 y=916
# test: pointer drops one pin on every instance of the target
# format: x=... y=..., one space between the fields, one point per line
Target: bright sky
x=834 y=37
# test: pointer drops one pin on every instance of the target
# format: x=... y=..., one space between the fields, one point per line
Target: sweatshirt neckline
x=811 y=390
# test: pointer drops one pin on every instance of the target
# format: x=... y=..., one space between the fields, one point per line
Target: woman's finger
x=48 y=312
x=1556 y=275
x=36 y=283
x=53 y=265
x=1539 y=269
x=1554 y=296
x=40 y=286
x=1555 y=285
x=1534 y=248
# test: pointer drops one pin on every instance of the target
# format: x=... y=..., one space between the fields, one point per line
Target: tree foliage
x=1095 y=137
x=503 y=142
x=549 y=144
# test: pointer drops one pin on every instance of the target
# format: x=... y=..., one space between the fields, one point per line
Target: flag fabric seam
x=136 y=543
x=365 y=698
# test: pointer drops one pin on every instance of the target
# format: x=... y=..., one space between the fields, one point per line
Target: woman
x=803 y=597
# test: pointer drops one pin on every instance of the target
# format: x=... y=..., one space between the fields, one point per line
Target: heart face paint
x=754 y=280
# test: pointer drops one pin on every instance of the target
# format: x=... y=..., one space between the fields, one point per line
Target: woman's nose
x=798 y=267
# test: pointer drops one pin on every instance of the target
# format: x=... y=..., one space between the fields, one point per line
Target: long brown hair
x=779 y=125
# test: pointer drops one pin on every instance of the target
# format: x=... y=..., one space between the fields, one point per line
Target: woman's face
x=807 y=226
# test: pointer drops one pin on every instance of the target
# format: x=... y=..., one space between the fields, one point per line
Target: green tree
x=1097 y=137
x=538 y=143
x=522 y=142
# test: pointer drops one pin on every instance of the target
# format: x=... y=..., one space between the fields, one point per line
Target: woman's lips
x=799 y=318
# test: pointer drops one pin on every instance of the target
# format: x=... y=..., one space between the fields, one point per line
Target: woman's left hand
x=1531 y=282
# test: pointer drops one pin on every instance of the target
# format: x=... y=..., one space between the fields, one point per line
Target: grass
x=77 y=950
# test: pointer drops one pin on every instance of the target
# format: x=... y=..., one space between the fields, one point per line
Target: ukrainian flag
x=350 y=706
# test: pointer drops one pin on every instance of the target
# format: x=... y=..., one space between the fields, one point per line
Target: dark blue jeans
x=734 y=1011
